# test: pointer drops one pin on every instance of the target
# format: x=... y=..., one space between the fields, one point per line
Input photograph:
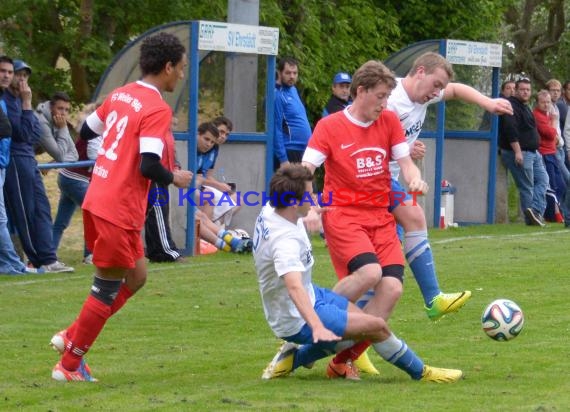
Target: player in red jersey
x=356 y=146
x=137 y=147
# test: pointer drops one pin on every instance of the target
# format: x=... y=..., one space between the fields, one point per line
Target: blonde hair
x=553 y=82
x=431 y=61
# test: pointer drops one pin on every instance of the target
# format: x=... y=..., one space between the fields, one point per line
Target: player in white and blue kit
x=299 y=311
x=428 y=82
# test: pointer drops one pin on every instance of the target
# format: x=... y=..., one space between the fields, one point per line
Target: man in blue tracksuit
x=292 y=128
x=27 y=205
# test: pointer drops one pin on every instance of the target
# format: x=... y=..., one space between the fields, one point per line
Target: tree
x=535 y=29
x=476 y=20
x=69 y=43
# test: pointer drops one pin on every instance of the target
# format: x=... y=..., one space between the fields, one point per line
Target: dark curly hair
x=159 y=49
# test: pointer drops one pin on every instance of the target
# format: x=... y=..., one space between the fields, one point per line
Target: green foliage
x=44 y=32
x=326 y=36
x=475 y=20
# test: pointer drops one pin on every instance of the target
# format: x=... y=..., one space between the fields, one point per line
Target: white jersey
x=411 y=115
x=280 y=247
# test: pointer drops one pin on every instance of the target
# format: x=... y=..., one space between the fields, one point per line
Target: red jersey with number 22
x=134 y=119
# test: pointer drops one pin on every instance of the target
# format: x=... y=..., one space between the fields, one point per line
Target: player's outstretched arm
x=301 y=300
x=470 y=95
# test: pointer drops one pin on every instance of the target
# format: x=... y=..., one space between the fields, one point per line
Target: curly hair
x=159 y=49
x=370 y=74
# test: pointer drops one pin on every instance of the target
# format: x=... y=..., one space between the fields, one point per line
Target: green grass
x=195 y=338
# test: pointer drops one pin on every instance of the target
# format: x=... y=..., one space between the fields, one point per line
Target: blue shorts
x=332 y=311
x=398 y=195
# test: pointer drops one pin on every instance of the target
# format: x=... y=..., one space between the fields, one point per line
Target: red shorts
x=111 y=245
x=352 y=231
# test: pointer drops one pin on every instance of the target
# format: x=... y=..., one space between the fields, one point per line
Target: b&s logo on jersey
x=369 y=161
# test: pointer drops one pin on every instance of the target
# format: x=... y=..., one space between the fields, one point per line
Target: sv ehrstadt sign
x=238 y=38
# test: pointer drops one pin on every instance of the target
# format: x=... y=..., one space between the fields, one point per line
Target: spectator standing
x=27 y=204
x=519 y=143
x=55 y=137
x=554 y=87
x=558 y=112
x=548 y=130
x=292 y=128
x=10 y=262
x=566 y=129
x=56 y=140
x=340 y=97
x=137 y=147
x=507 y=89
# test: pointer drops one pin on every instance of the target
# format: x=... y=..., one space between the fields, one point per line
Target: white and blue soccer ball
x=502 y=320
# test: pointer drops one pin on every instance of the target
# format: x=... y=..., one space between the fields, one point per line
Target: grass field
x=195 y=338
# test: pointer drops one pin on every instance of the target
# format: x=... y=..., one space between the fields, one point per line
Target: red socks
x=86 y=328
x=351 y=353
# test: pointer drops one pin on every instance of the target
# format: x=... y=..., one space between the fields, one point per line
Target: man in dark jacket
x=519 y=140
x=340 y=97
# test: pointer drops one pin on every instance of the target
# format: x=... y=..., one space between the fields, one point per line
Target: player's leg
x=379 y=301
x=225 y=207
x=352 y=252
x=386 y=293
x=332 y=311
x=134 y=280
x=540 y=184
x=418 y=253
x=159 y=244
x=115 y=251
x=392 y=349
x=523 y=177
x=356 y=264
x=347 y=320
x=361 y=279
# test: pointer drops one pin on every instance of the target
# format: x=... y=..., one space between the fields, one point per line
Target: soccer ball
x=502 y=320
